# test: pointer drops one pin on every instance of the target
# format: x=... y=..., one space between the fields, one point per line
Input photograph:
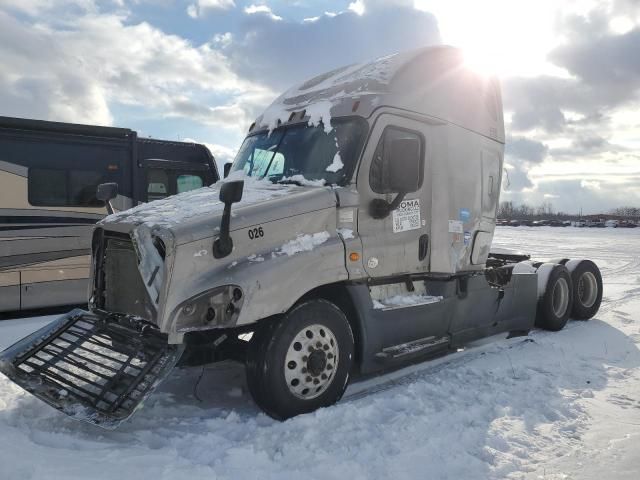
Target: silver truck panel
x=272 y=270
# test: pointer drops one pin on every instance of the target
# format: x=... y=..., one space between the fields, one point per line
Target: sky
x=203 y=70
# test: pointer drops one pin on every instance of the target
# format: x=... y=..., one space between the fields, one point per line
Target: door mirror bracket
x=380 y=208
x=230 y=193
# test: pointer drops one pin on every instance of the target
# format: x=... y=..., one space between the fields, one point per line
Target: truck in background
x=49 y=172
x=352 y=235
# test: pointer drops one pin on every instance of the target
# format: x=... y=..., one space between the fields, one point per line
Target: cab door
x=397 y=243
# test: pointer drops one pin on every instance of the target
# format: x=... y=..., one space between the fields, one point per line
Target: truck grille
x=93 y=369
x=124 y=291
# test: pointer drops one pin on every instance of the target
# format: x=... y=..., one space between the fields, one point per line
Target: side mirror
x=403 y=158
x=402 y=161
x=107 y=192
x=227 y=169
x=230 y=193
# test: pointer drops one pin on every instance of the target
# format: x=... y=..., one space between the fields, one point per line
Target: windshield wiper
x=288 y=181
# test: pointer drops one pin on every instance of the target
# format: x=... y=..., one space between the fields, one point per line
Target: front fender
x=273 y=271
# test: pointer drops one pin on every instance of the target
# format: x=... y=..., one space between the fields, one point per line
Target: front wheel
x=301 y=361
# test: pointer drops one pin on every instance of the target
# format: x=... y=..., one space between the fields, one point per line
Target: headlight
x=215 y=308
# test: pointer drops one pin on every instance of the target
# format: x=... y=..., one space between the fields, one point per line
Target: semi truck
x=352 y=235
x=49 y=172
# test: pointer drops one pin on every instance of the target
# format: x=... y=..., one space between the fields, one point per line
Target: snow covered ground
x=549 y=406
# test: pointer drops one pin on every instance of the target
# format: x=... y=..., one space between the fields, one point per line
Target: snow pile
x=304 y=243
x=405 y=301
x=345 y=233
x=320 y=113
x=180 y=208
x=336 y=164
x=305 y=182
x=549 y=406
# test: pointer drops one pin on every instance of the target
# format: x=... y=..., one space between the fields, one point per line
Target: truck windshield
x=303 y=154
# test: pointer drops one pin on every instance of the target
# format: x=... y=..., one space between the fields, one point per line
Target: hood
x=195 y=215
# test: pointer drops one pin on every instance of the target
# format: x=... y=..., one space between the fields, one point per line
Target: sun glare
x=498 y=36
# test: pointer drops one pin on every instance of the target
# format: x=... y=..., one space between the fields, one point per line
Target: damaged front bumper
x=93 y=368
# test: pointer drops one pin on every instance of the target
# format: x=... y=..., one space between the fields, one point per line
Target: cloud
x=261 y=9
x=38 y=7
x=201 y=7
x=575 y=116
x=600 y=59
x=604 y=74
x=78 y=72
x=524 y=149
x=280 y=54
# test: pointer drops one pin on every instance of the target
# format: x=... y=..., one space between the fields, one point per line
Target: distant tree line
x=626 y=212
x=545 y=211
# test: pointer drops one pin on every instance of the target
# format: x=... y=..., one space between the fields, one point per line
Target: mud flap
x=95 y=369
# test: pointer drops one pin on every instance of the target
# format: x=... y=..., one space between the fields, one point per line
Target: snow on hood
x=178 y=209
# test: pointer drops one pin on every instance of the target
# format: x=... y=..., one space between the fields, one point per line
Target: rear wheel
x=554 y=307
x=587 y=284
x=301 y=361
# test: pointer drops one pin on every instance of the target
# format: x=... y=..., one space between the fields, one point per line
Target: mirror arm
x=380 y=208
x=396 y=201
x=223 y=245
x=109 y=207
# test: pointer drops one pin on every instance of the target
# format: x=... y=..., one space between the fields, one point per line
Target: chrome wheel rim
x=311 y=361
x=560 y=297
x=587 y=289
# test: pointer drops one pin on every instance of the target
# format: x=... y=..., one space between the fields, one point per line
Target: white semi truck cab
x=352 y=235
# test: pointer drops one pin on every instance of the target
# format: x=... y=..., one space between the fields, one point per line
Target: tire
x=300 y=361
x=555 y=305
x=587 y=289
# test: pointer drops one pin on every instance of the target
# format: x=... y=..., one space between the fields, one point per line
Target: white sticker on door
x=455 y=226
x=406 y=216
x=345 y=215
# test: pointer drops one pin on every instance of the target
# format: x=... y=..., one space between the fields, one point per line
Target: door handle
x=423 y=247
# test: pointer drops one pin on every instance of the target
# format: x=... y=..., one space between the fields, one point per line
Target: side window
x=65 y=188
x=47 y=187
x=382 y=164
x=82 y=187
x=188 y=182
x=263 y=159
x=157 y=184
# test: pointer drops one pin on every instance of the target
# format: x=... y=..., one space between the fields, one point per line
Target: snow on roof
x=432 y=81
